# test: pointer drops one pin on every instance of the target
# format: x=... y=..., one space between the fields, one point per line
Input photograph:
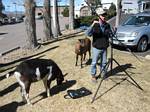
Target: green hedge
x=87 y=20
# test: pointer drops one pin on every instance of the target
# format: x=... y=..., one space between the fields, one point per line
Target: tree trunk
x=71 y=14
x=56 y=20
x=2 y=7
x=47 y=21
x=30 y=23
x=118 y=13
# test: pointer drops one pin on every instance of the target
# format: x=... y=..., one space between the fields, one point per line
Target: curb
x=11 y=50
x=147 y=57
x=144 y=57
x=60 y=37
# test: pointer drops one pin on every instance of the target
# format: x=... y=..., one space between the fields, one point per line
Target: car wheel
x=142 y=44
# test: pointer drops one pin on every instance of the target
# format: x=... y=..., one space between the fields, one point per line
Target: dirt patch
x=114 y=95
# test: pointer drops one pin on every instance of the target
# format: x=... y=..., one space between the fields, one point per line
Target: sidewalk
x=18 y=52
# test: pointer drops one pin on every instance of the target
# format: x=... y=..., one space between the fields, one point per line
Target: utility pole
x=59 y=13
x=15 y=7
x=8 y=10
x=119 y=8
x=71 y=14
x=55 y=19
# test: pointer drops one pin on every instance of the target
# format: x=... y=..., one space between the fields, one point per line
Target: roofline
x=52 y=6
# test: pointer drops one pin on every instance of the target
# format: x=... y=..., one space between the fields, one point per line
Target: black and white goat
x=34 y=70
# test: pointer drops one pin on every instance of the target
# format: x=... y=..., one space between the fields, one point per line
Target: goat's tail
x=10 y=73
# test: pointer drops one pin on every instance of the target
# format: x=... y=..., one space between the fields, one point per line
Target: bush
x=83 y=21
x=65 y=12
x=87 y=20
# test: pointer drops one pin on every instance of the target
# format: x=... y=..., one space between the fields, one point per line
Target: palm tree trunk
x=118 y=13
x=57 y=19
x=47 y=21
x=30 y=23
x=71 y=14
x=1 y=7
x=57 y=31
x=54 y=20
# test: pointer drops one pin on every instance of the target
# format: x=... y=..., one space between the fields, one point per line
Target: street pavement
x=14 y=35
x=143 y=54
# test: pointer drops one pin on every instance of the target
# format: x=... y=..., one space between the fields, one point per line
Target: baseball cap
x=100 y=11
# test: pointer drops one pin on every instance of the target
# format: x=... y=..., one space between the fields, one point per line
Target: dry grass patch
x=123 y=97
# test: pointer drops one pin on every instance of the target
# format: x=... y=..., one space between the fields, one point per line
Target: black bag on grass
x=78 y=93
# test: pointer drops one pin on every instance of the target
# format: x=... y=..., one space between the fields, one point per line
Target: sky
x=10 y=6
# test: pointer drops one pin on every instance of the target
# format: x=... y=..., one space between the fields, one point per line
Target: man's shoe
x=94 y=80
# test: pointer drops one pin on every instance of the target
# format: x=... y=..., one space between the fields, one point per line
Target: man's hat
x=100 y=11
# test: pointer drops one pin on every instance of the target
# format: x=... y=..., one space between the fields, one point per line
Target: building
x=107 y=3
x=144 y=5
x=130 y=6
x=85 y=11
x=39 y=10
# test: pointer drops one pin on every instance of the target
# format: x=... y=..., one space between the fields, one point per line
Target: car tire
x=142 y=44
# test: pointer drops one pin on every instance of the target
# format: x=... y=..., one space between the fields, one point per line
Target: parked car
x=5 y=21
x=19 y=20
x=12 y=20
x=84 y=27
x=135 y=32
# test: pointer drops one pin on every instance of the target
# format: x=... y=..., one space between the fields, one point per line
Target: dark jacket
x=100 y=35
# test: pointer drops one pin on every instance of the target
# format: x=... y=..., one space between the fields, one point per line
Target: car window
x=138 y=20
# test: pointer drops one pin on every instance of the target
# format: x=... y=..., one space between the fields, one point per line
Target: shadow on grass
x=62 y=38
x=118 y=83
x=3 y=33
x=56 y=89
x=89 y=62
x=2 y=77
x=9 y=89
x=8 y=68
x=25 y=58
x=121 y=68
x=113 y=72
x=11 y=107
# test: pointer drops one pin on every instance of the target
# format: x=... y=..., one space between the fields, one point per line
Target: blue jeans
x=102 y=53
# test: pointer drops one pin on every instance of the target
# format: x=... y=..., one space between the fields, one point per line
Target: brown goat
x=81 y=47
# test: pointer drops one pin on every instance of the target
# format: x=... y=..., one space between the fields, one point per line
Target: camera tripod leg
x=106 y=66
x=97 y=90
x=128 y=75
x=110 y=61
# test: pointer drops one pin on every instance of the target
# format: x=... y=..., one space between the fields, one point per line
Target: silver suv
x=135 y=32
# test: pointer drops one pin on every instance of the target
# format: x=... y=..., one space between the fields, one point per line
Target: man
x=99 y=30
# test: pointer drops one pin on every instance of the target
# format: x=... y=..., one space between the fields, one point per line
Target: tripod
x=110 y=63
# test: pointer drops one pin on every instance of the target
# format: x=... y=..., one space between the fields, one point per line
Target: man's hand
x=94 y=22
